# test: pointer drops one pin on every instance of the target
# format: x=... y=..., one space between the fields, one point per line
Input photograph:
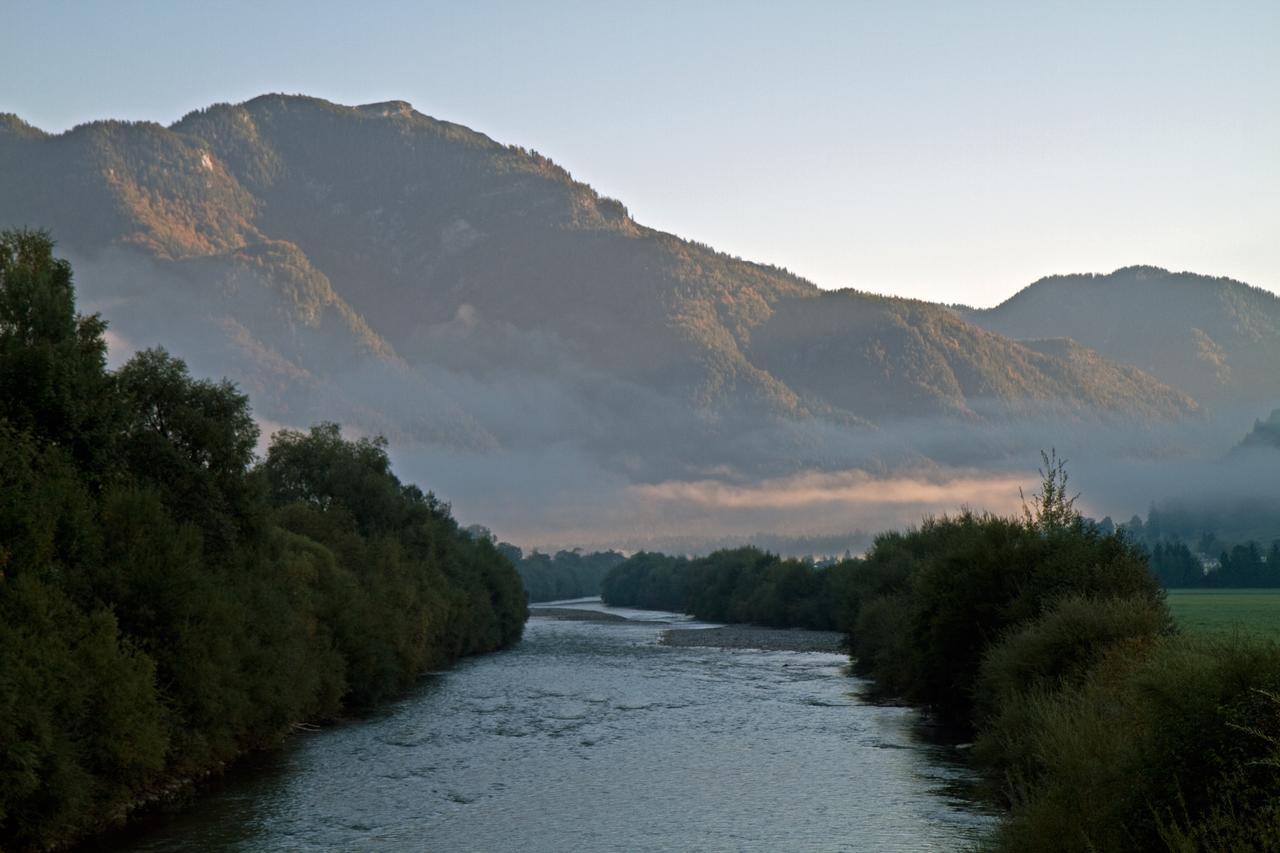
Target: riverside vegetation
x=166 y=604
x=733 y=585
x=565 y=574
x=1048 y=642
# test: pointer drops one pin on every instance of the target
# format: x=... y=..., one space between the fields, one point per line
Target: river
x=592 y=736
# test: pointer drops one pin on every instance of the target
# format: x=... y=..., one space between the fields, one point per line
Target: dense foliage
x=733 y=585
x=935 y=599
x=1228 y=539
x=566 y=574
x=649 y=580
x=165 y=605
x=1241 y=566
x=1099 y=726
x=1166 y=743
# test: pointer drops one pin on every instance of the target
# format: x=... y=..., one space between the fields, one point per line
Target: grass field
x=1248 y=611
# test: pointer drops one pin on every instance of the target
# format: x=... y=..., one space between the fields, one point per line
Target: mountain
x=910 y=358
x=516 y=330
x=384 y=226
x=1214 y=338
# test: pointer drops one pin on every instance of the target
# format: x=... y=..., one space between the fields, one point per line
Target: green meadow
x=1224 y=611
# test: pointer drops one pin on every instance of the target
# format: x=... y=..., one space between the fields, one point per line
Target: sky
x=948 y=151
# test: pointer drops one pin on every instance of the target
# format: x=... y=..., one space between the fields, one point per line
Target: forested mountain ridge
x=314 y=239
x=1215 y=338
x=920 y=359
x=1265 y=434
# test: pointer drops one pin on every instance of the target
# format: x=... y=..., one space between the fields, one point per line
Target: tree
x=511 y=552
x=53 y=377
x=323 y=470
x=1051 y=508
x=194 y=440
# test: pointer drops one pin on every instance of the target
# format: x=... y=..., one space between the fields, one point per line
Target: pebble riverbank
x=753 y=637
x=726 y=637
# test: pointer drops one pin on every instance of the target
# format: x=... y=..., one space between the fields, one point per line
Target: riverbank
x=573 y=614
x=725 y=637
x=754 y=637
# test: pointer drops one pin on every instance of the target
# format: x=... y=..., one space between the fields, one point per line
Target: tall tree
x=194 y=439
x=1053 y=507
x=53 y=378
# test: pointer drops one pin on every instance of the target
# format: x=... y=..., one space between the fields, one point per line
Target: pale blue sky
x=952 y=151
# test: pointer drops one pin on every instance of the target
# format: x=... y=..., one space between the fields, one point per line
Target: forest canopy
x=559 y=576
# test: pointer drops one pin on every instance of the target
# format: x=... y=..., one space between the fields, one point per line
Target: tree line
x=733 y=585
x=1241 y=566
x=1046 y=641
x=565 y=574
x=167 y=602
x=1211 y=545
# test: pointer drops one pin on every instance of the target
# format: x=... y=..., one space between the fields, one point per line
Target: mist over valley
x=571 y=377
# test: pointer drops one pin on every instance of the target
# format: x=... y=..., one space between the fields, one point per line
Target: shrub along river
x=593 y=736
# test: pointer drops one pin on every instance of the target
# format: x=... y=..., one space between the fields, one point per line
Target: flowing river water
x=593 y=736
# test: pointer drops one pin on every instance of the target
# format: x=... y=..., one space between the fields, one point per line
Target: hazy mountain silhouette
x=910 y=358
x=1215 y=338
x=1265 y=434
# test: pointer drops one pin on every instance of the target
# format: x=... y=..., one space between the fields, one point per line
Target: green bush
x=884 y=643
x=81 y=721
x=1175 y=745
x=969 y=580
x=1056 y=652
x=1060 y=647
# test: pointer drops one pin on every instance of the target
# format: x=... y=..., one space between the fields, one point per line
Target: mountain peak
x=1264 y=434
x=12 y=125
x=1140 y=272
x=387 y=108
x=1216 y=338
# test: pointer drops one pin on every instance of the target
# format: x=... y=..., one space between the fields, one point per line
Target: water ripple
x=591 y=736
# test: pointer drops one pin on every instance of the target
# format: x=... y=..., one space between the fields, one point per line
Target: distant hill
x=901 y=357
x=1264 y=434
x=1214 y=338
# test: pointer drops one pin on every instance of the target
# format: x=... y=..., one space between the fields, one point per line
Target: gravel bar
x=572 y=614
x=752 y=637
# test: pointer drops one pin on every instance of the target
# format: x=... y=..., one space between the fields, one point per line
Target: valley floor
x=1224 y=611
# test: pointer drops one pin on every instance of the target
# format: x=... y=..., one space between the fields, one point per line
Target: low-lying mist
x=521 y=434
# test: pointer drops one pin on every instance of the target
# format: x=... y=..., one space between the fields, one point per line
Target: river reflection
x=591 y=736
